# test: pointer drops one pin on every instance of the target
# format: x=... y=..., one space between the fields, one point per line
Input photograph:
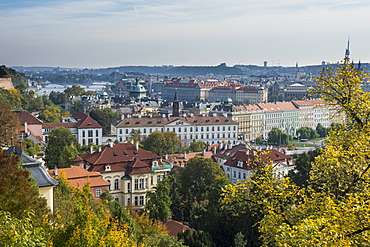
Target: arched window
x=109 y=184
x=116 y=184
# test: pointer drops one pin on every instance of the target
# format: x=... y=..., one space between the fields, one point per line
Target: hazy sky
x=98 y=33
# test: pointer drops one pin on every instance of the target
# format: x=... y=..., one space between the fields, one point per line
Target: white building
x=209 y=128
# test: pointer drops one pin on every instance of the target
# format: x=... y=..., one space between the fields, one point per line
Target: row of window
x=139 y=184
x=185 y=129
x=90 y=140
x=90 y=133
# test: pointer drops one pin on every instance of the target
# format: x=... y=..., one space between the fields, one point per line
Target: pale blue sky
x=98 y=33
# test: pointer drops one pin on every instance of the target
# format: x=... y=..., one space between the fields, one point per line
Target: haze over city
x=93 y=34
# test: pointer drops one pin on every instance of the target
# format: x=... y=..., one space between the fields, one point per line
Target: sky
x=100 y=34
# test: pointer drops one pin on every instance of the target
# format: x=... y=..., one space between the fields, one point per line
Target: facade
x=130 y=171
x=82 y=126
x=239 y=94
x=78 y=177
x=307 y=110
x=239 y=161
x=209 y=128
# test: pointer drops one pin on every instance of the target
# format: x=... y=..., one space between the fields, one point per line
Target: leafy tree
x=162 y=143
x=74 y=90
x=18 y=193
x=197 y=238
x=77 y=105
x=301 y=172
x=104 y=118
x=321 y=130
x=332 y=210
x=58 y=97
x=60 y=150
x=16 y=232
x=239 y=240
x=278 y=137
x=307 y=133
x=196 y=193
x=197 y=146
x=9 y=123
x=31 y=148
x=51 y=114
x=160 y=201
x=259 y=140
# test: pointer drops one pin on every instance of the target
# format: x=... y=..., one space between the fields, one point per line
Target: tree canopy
x=9 y=123
x=162 y=143
x=61 y=148
x=104 y=118
x=333 y=209
x=278 y=137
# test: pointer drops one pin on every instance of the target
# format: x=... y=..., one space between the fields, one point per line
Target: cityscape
x=238 y=124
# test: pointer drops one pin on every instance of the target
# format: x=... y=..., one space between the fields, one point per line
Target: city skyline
x=98 y=34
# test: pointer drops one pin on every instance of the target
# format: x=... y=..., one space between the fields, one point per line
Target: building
x=43 y=180
x=31 y=127
x=209 y=128
x=239 y=161
x=239 y=94
x=82 y=126
x=137 y=91
x=79 y=177
x=6 y=83
x=130 y=171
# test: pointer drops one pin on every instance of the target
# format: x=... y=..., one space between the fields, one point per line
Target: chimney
x=26 y=127
x=122 y=116
x=111 y=144
x=204 y=152
x=214 y=150
x=56 y=173
x=99 y=149
x=137 y=145
x=91 y=149
x=166 y=157
x=184 y=155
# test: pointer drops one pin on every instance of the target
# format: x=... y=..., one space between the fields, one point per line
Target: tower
x=176 y=106
x=347 y=50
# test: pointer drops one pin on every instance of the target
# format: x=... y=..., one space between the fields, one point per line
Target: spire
x=347 y=50
x=176 y=98
x=359 y=65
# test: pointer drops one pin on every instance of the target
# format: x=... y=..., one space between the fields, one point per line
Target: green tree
x=18 y=192
x=74 y=90
x=239 y=240
x=307 y=133
x=16 y=232
x=162 y=143
x=77 y=105
x=196 y=239
x=332 y=210
x=9 y=123
x=159 y=201
x=51 y=114
x=321 y=130
x=58 y=97
x=104 y=118
x=61 y=148
x=259 y=140
x=197 y=146
x=31 y=148
x=278 y=137
x=196 y=192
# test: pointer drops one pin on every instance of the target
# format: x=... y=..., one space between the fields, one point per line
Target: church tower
x=176 y=106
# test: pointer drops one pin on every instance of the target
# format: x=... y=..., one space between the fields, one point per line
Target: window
x=120 y=131
x=109 y=184
x=223 y=128
x=207 y=128
x=185 y=130
x=151 y=180
x=173 y=130
x=90 y=133
x=126 y=131
x=213 y=128
x=136 y=184
x=128 y=187
x=136 y=200
x=239 y=175
x=144 y=130
x=234 y=174
x=96 y=133
x=141 y=200
x=218 y=128
x=83 y=142
x=83 y=133
x=141 y=184
x=98 y=192
x=191 y=129
x=244 y=177
x=201 y=128
x=116 y=184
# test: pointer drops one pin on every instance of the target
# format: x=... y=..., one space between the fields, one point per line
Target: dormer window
x=107 y=167
x=155 y=163
x=240 y=163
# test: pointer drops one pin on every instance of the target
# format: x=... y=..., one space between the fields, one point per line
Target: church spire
x=176 y=106
x=347 y=50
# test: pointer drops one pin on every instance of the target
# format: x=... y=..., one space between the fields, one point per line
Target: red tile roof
x=25 y=116
x=174 y=227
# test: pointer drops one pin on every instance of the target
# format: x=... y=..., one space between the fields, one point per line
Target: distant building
x=137 y=90
x=82 y=126
x=209 y=128
x=239 y=161
x=6 y=83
